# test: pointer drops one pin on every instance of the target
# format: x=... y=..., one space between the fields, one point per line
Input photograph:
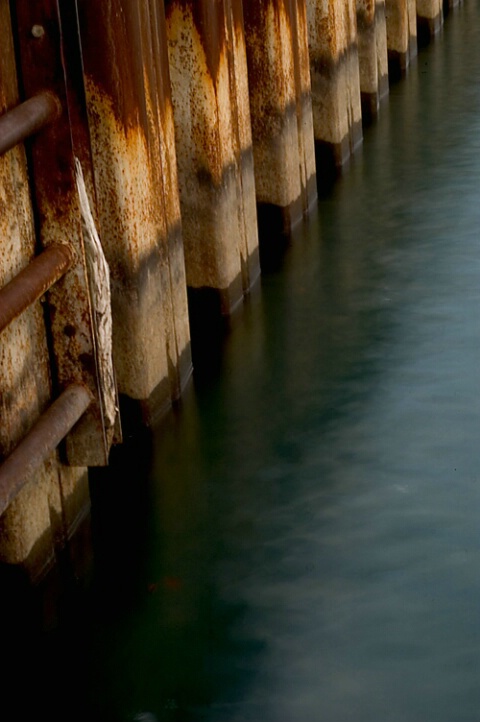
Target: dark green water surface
x=304 y=541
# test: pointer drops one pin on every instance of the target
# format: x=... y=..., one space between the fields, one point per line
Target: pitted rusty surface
x=27 y=529
x=213 y=137
x=202 y=103
x=23 y=394
x=239 y=77
x=327 y=34
x=279 y=80
x=271 y=65
x=301 y=40
x=132 y=130
x=208 y=19
x=52 y=62
x=273 y=80
x=133 y=231
x=335 y=74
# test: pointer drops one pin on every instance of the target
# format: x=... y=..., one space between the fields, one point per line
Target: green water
x=301 y=541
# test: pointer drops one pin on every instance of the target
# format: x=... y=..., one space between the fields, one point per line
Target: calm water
x=304 y=541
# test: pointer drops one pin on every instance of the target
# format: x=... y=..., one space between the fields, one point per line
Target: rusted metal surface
x=131 y=121
x=38 y=518
x=26 y=119
x=50 y=59
x=23 y=394
x=31 y=283
x=216 y=212
x=50 y=429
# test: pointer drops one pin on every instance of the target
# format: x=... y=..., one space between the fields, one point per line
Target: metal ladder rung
x=44 y=437
x=33 y=281
x=27 y=118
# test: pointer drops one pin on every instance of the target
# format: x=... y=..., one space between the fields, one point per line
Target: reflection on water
x=305 y=545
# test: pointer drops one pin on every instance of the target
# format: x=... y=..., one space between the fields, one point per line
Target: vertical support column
x=306 y=135
x=48 y=510
x=131 y=124
x=242 y=142
x=401 y=18
x=282 y=122
x=49 y=55
x=372 y=56
x=382 y=49
x=429 y=19
x=337 y=116
x=213 y=134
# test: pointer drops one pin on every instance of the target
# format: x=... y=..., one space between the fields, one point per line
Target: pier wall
x=201 y=132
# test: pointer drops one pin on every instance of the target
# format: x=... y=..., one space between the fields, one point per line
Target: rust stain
x=202 y=104
x=53 y=62
x=22 y=393
x=209 y=23
x=279 y=73
x=268 y=27
x=132 y=130
x=213 y=140
x=365 y=13
x=106 y=38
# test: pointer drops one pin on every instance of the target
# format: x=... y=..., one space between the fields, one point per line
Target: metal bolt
x=38 y=31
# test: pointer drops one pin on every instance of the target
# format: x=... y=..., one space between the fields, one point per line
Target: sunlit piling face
x=372 y=55
x=335 y=76
x=131 y=126
x=401 y=21
x=367 y=56
x=212 y=128
x=429 y=18
x=279 y=80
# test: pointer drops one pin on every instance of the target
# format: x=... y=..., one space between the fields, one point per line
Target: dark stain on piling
x=209 y=21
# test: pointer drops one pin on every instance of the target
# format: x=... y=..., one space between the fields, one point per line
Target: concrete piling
x=429 y=19
x=281 y=111
x=48 y=509
x=214 y=150
x=401 y=19
x=131 y=125
x=191 y=124
x=372 y=56
x=337 y=116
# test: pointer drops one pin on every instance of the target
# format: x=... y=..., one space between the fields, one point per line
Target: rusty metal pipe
x=32 y=282
x=41 y=440
x=28 y=118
